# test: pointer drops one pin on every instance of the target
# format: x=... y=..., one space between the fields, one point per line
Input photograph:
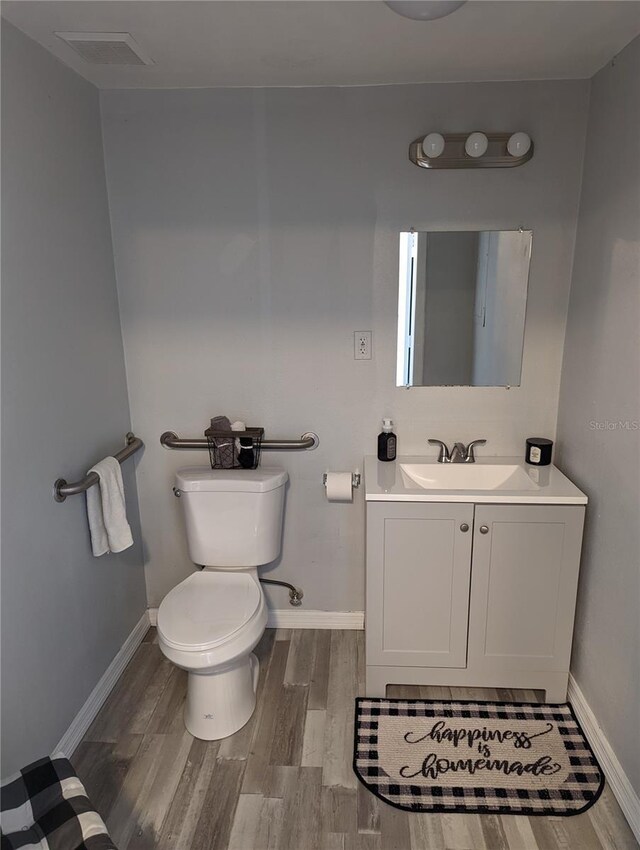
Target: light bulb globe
x=519 y=144
x=433 y=145
x=476 y=145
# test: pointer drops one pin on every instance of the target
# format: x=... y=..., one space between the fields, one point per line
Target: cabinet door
x=418 y=568
x=523 y=589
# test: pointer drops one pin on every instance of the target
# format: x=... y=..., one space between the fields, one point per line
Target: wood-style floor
x=285 y=781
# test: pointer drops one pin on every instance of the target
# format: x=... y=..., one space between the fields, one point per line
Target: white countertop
x=386 y=482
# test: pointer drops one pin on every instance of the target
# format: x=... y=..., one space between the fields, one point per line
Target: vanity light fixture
x=471 y=150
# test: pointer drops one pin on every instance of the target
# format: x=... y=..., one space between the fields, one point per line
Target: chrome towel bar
x=61 y=489
x=308 y=441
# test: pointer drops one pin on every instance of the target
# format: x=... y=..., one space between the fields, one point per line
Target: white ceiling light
x=424 y=10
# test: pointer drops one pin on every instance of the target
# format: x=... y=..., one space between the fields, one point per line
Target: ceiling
x=335 y=42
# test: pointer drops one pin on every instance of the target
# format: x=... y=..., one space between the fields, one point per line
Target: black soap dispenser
x=387 y=441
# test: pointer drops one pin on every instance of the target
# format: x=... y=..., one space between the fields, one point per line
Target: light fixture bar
x=454 y=155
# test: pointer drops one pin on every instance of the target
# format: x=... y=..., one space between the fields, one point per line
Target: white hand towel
x=106 y=510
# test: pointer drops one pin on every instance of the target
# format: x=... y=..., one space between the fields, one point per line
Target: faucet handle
x=471 y=457
x=443 y=456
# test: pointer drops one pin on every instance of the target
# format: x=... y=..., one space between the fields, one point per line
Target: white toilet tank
x=233 y=516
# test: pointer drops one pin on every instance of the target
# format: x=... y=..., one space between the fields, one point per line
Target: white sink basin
x=467 y=476
x=490 y=481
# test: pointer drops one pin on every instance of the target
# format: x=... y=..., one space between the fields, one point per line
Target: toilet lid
x=207 y=608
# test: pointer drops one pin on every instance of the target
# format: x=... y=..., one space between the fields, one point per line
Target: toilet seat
x=208 y=609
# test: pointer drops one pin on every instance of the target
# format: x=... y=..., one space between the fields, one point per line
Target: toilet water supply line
x=295 y=593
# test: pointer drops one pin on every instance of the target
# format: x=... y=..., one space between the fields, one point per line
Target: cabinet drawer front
x=525 y=574
x=418 y=568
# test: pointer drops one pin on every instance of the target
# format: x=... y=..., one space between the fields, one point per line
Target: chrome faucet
x=459 y=454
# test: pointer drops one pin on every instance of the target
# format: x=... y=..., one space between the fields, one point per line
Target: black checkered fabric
x=581 y=789
x=46 y=807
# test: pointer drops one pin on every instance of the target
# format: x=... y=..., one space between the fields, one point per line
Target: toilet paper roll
x=339 y=487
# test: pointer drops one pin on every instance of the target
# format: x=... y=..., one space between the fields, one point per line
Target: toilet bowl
x=209 y=623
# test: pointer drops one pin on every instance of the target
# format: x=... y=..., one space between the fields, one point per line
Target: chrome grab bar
x=62 y=489
x=308 y=442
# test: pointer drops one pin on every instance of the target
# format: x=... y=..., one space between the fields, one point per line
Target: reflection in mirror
x=461 y=307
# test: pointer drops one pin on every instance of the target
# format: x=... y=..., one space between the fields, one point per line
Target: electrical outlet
x=362 y=345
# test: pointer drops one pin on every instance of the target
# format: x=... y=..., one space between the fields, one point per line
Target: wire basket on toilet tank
x=234 y=449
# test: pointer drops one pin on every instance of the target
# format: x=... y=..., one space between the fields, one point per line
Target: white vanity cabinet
x=418 y=572
x=471 y=595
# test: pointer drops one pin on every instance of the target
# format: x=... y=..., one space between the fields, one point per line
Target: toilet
x=209 y=624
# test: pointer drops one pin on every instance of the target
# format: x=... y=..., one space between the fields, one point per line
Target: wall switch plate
x=362 y=345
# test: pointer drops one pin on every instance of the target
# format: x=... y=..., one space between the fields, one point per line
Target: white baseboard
x=613 y=770
x=301 y=618
x=85 y=717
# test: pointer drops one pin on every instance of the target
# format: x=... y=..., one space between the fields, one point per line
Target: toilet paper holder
x=355 y=479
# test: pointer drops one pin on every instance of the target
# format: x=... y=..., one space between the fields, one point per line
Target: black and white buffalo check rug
x=480 y=757
x=46 y=807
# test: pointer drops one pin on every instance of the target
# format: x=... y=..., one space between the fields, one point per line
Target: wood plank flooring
x=284 y=781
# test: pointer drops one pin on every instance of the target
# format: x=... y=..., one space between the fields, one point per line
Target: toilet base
x=221 y=702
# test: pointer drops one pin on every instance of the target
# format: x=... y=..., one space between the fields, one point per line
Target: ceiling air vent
x=106 y=48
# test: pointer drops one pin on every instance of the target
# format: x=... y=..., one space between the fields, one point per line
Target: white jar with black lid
x=539 y=451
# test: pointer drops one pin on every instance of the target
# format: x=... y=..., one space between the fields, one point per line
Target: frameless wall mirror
x=461 y=307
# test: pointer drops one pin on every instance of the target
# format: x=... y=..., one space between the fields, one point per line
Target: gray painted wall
x=600 y=389
x=256 y=230
x=65 y=614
